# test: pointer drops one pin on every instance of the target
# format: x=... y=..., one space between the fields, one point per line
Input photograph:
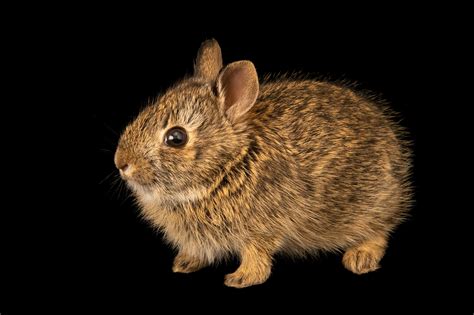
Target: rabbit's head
x=176 y=149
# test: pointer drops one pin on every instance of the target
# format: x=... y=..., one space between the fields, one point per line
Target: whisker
x=114 y=187
x=108 y=127
x=106 y=177
x=118 y=190
x=127 y=196
x=112 y=143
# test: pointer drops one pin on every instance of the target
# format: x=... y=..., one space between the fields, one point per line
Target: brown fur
x=308 y=166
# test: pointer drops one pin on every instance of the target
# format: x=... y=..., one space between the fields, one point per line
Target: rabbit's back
x=353 y=158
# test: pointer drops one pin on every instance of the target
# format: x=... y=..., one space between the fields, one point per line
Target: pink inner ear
x=234 y=85
x=238 y=84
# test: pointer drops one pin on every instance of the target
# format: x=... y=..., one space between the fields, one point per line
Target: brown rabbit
x=225 y=166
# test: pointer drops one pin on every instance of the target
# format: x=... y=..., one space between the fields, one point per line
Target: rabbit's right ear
x=209 y=60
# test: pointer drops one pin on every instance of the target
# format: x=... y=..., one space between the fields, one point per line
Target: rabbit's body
x=308 y=166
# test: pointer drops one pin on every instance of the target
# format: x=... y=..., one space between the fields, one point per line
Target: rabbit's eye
x=176 y=137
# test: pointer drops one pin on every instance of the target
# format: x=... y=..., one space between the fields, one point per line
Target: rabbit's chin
x=155 y=195
x=138 y=188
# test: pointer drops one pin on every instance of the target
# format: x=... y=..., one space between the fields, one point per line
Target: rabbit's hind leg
x=365 y=257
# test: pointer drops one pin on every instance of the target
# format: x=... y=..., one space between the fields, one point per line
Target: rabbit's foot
x=366 y=256
x=186 y=264
x=254 y=269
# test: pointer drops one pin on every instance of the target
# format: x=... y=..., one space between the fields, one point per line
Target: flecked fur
x=310 y=166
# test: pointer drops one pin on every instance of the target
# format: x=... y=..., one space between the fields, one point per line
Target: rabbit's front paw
x=186 y=264
x=240 y=279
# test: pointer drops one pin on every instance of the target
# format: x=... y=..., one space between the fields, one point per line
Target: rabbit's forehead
x=188 y=108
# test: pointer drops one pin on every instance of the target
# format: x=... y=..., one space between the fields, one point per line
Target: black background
x=82 y=241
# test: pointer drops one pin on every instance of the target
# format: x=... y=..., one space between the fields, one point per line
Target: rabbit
x=225 y=166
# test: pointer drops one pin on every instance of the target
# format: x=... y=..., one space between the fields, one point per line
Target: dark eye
x=176 y=137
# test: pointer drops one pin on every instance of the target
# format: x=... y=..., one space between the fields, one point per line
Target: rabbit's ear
x=209 y=60
x=237 y=86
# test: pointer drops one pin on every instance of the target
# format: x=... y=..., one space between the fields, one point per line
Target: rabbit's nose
x=125 y=170
x=122 y=164
x=123 y=167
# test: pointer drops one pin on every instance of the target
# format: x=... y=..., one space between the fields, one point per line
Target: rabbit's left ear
x=238 y=88
x=209 y=60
